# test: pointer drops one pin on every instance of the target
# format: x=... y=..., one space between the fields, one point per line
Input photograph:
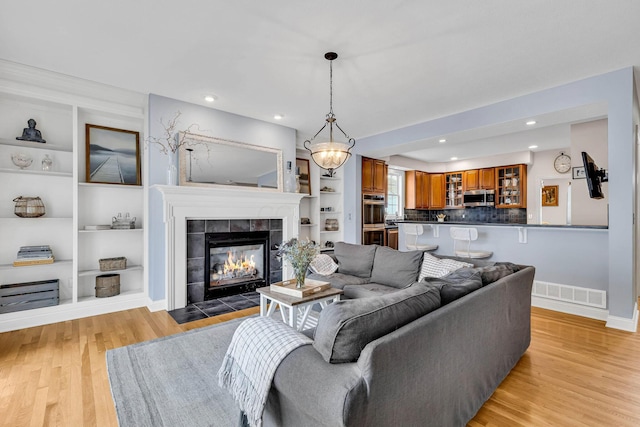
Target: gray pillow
x=395 y=268
x=356 y=260
x=346 y=327
x=456 y=284
x=496 y=272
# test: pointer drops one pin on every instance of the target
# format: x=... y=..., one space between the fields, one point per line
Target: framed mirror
x=208 y=161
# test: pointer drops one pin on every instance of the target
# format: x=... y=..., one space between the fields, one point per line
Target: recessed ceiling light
x=209 y=98
x=442 y=141
x=531 y=147
x=278 y=116
x=531 y=123
x=454 y=158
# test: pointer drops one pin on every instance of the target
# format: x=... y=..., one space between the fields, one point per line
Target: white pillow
x=436 y=267
x=323 y=264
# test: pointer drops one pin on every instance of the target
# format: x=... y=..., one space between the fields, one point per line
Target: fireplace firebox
x=235 y=263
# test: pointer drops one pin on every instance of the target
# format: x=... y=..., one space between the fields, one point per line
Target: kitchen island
x=569 y=256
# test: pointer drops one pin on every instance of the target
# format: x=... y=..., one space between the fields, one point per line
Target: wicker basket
x=110 y=264
x=107 y=285
x=29 y=207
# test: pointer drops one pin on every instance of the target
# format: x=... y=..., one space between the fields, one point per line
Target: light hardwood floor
x=576 y=372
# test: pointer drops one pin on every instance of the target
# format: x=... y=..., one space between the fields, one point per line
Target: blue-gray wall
x=212 y=123
x=617 y=90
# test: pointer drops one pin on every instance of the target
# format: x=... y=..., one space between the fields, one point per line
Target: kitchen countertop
x=494 y=224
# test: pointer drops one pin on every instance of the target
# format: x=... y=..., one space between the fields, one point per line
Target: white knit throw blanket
x=256 y=350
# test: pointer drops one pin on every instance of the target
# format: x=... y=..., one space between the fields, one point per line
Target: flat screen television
x=595 y=176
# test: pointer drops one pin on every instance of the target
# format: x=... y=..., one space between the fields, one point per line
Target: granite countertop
x=495 y=224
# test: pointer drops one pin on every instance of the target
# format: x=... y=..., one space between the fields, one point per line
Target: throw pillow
x=496 y=272
x=436 y=267
x=346 y=327
x=356 y=260
x=457 y=284
x=394 y=268
x=323 y=264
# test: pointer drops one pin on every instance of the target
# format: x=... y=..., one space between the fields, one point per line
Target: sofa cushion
x=339 y=280
x=436 y=267
x=367 y=290
x=323 y=264
x=395 y=268
x=456 y=284
x=346 y=327
x=356 y=260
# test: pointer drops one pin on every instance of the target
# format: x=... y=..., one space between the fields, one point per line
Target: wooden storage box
x=25 y=296
x=107 y=285
x=109 y=264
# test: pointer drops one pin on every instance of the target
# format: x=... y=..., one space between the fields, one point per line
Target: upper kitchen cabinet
x=511 y=186
x=436 y=191
x=416 y=190
x=453 y=190
x=374 y=176
x=479 y=179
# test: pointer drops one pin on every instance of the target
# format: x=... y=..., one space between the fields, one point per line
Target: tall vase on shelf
x=172 y=172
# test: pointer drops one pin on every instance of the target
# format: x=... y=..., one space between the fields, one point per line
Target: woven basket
x=109 y=264
x=29 y=207
x=107 y=285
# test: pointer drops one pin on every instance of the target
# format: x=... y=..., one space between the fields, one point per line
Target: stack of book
x=34 y=255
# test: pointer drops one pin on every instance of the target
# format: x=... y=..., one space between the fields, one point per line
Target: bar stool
x=466 y=235
x=411 y=233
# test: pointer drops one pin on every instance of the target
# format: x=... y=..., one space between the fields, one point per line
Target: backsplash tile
x=479 y=214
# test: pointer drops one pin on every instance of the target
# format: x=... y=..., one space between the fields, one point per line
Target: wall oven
x=373 y=231
x=372 y=210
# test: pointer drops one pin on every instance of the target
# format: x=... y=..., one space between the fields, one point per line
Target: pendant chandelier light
x=330 y=154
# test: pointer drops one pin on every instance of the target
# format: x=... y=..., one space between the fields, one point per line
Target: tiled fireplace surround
x=187 y=209
x=196 y=250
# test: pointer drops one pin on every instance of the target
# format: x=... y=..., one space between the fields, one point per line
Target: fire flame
x=239 y=267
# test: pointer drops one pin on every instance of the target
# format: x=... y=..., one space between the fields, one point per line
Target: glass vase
x=301 y=273
x=172 y=173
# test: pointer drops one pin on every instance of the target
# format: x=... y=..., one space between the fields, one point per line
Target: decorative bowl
x=21 y=160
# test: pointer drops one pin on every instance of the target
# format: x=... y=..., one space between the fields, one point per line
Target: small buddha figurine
x=31 y=133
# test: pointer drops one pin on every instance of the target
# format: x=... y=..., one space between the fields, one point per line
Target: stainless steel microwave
x=473 y=198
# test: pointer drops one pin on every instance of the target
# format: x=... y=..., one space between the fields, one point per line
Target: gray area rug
x=173 y=381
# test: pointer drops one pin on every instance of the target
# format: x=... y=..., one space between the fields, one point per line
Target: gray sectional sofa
x=424 y=353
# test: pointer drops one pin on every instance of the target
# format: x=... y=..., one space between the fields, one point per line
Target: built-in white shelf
x=329 y=178
x=38 y=145
x=123 y=295
x=330 y=192
x=308 y=225
x=330 y=212
x=97 y=272
x=118 y=186
x=130 y=230
x=40 y=218
x=37 y=172
x=327 y=232
x=54 y=264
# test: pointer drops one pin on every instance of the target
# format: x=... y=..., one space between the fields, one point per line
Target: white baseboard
x=570 y=308
x=157 y=305
x=622 y=323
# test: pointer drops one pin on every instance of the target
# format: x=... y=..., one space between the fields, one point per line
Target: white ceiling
x=400 y=62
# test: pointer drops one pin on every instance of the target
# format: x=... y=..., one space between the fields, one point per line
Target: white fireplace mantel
x=183 y=203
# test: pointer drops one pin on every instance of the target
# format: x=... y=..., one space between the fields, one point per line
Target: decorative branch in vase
x=170 y=142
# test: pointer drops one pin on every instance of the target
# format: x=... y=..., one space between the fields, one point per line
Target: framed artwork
x=112 y=155
x=550 y=195
x=302 y=175
x=578 y=173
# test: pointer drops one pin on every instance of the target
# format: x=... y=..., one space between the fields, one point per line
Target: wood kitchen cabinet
x=416 y=190
x=479 y=179
x=436 y=191
x=511 y=186
x=453 y=189
x=374 y=176
x=392 y=238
